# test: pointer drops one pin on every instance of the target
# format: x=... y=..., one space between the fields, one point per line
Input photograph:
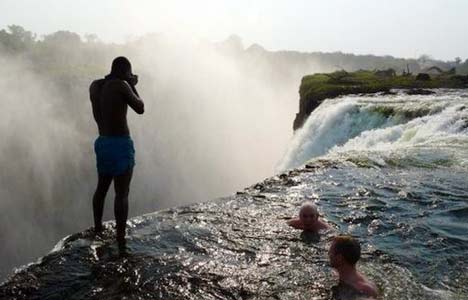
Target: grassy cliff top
x=322 y=86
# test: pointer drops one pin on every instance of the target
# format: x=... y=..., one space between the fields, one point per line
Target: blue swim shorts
x=115 y=155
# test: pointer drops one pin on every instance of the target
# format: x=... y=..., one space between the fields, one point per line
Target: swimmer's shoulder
x=324 y=225
x=367 y=287
x=296 y=223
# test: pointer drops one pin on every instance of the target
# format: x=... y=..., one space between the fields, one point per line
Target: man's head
x=308 y=214
x=344 y=250
x=121 y=68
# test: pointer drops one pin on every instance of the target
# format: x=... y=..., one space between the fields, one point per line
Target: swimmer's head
x=308 y=214
x=344 y=250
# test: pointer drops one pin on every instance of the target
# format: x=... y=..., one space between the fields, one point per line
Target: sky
x=401 y=28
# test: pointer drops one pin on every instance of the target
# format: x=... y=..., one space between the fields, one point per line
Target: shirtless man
x=344 y=253
x=115 y=154
x=308 y=219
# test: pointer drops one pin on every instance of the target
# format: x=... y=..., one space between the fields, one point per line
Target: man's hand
x=133 y=80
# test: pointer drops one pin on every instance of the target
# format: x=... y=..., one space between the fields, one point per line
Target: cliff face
x=316 y=88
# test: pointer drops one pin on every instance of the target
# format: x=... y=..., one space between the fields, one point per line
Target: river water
x=390 y=170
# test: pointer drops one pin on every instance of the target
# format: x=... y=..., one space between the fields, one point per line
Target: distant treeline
x=55 y=53
x=208 y=103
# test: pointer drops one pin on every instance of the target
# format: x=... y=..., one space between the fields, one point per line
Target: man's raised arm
x=132 y=98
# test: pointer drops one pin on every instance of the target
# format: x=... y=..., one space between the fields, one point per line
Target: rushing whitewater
x=394 y=129
x=390 y=170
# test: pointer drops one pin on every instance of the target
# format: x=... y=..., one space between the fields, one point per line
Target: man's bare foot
x=98 y=230
x=122 y=244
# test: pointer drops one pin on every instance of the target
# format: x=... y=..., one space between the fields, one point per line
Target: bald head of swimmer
x=308 y=214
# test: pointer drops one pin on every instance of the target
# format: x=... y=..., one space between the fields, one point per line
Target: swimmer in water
x=344 y=253
x=308 y=219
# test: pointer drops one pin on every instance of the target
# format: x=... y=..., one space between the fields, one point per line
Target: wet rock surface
x=239 y=247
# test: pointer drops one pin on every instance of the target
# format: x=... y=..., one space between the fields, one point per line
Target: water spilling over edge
x=386 y=130
x=409 y=215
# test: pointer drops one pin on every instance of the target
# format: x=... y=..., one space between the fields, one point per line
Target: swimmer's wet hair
x=348 y=247
x=309 y=204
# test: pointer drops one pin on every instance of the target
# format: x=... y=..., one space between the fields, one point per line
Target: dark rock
x=419 y=92
x=308 y=104
x=423 y=77
x=388 y=93
x=306 y=107
x=259 y=186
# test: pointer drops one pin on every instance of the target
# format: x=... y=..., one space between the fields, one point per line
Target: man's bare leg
x=122 y=188
x=98 y=200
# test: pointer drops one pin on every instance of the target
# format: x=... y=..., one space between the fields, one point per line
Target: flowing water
x=390 y=170
x=427 y=131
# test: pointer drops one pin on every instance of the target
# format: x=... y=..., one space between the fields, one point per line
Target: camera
x=132 y=80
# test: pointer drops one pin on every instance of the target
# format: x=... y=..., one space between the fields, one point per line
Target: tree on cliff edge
x=16 y=39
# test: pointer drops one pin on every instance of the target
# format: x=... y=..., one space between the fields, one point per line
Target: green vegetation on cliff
x=315 y=88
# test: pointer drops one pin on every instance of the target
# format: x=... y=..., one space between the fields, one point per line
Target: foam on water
x=411 y=225
x=390 y=170
x=385 y=129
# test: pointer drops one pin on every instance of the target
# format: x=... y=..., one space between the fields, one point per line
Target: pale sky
x=402 y=28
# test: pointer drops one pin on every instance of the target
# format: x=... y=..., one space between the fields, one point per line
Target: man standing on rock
x=115 y=154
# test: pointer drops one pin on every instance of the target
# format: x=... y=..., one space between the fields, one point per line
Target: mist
x=214 y=124
x=218 y=118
